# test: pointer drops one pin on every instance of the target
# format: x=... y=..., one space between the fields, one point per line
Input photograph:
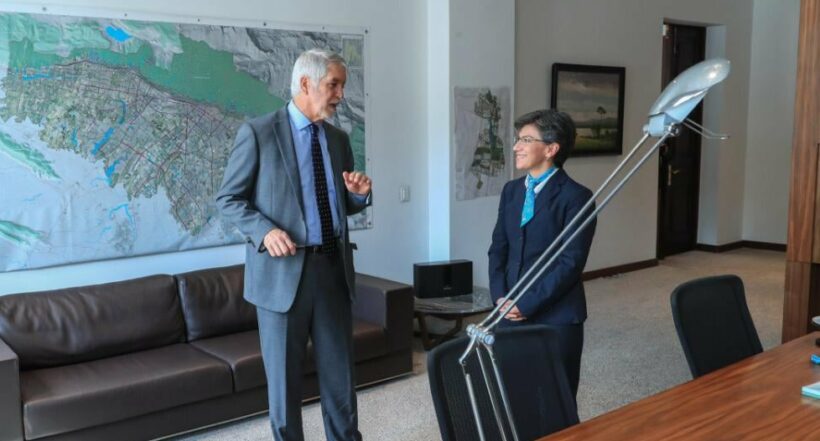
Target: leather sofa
x=160 y=355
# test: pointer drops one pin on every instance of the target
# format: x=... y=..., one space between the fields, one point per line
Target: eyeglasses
x=527 y=140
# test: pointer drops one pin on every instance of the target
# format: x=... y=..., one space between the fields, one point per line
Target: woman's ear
x=552 y=150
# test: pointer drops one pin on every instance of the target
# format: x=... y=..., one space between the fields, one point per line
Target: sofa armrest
x=11 y=422
x=389 y=304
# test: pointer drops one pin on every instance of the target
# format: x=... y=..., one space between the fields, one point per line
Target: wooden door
x=802 y=295
x=679 y=163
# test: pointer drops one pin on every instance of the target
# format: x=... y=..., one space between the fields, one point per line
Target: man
x=532 y=212
x=288 y=188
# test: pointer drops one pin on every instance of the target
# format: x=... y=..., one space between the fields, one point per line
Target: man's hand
x=514 y=314
x=278 y=243
x=357 y=182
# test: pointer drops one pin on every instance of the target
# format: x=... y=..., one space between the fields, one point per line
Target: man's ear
x=304 y=84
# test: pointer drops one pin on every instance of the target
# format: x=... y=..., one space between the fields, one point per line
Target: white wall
x=418 y=50
x=770 y=120
x=396 y=126
x=438 y=129
x=482 y=55
x=710 y=161
x=628 y=33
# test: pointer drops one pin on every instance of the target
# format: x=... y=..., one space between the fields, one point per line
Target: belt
x=317 y=249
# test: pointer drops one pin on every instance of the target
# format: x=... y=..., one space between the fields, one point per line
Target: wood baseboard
x=719 y=248
x=765 y=245
x=741 y=244
x=611 y=271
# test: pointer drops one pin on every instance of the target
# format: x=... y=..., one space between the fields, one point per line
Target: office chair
x=815 y=323
x=539 y=393
x=713 y=323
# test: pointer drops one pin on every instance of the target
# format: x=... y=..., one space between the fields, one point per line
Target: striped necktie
x=320 y=184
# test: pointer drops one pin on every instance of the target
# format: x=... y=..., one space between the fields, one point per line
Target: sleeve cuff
x=362 y=199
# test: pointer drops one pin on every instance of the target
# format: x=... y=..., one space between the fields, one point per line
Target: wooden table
x=755 y=399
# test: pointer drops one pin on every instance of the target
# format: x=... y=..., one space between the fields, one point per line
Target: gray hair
x=313 y=64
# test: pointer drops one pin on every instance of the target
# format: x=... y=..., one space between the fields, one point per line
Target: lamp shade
x=681 y=96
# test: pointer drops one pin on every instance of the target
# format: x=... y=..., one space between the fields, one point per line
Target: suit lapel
x=550 y=190
x=283 y=138
x=517 y=202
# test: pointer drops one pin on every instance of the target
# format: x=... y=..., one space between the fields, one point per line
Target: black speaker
x=443 y=279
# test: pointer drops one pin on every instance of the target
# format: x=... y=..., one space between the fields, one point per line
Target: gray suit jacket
x=261 y=190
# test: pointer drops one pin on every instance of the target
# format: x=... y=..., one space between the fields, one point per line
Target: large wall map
x=114 y=134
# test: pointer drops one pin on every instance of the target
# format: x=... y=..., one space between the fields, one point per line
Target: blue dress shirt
x=300 y=127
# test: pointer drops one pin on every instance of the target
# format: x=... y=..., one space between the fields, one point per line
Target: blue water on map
x=38 y=76
x=33 y=198
x=98 y=145
x=124 y=107
x=124 y=208
x=117 y=34
x=109 y=171
x=103 y=231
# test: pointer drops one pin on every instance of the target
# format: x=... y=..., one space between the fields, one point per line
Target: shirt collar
x=550 y=173
x=300 y=121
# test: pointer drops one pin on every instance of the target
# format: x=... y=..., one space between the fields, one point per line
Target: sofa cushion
x=241 y=351
x=369 y=340
x=68 y=398
x=65 y=326
x=212 y=302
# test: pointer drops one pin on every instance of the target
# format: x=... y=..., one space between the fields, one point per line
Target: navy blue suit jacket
x=558 y=296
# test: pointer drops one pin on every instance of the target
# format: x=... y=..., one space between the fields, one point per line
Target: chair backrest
x=538 y=389
x=713 y=323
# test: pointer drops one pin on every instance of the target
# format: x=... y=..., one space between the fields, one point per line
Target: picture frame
x=594 y=97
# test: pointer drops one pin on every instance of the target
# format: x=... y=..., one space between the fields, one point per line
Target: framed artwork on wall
x=594 y=97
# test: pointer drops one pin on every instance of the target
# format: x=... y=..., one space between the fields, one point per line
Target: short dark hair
x=554 y=126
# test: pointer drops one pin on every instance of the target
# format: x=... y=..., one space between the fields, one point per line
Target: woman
x=532 y=212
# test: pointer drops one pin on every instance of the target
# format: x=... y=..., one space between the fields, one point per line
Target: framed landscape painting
x=594 y=97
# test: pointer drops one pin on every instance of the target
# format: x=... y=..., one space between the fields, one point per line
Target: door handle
x=669 y=172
